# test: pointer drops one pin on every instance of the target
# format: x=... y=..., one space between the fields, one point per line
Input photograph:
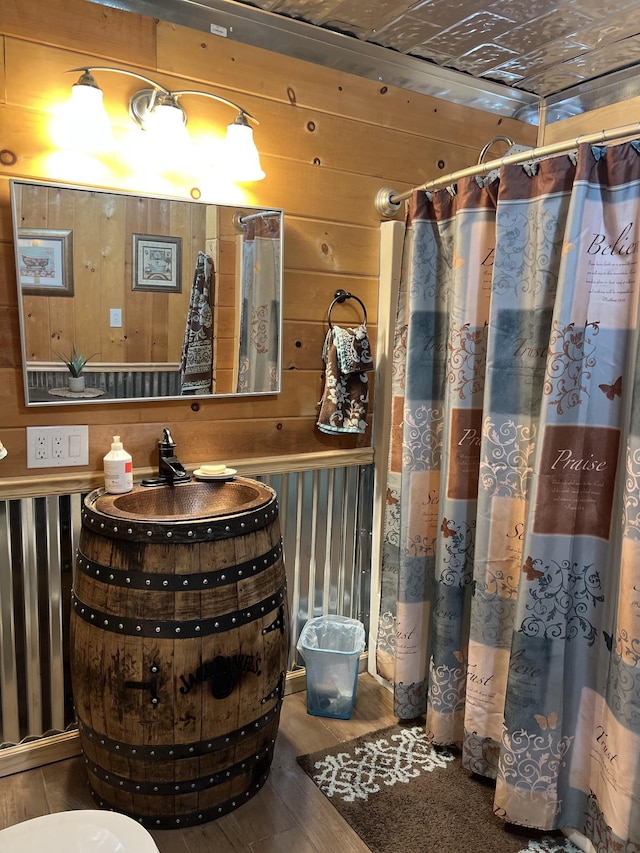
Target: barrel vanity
x=179 y=647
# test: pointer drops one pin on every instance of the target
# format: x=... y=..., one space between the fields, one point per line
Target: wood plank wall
x=328 y=140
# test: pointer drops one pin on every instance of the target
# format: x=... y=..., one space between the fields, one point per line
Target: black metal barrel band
x=165 y=629
x=133 y=579
x=179 y=751
x=180 y=531
x=189 y=786
x=192 y=818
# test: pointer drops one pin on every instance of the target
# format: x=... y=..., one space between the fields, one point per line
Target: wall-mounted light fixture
x=158 y=111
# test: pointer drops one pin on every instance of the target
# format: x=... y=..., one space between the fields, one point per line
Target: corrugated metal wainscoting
x=325 y=519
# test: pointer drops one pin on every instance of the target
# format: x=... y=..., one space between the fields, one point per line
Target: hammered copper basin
x=184 y=502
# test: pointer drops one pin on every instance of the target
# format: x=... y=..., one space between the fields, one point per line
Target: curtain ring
x=341 y=296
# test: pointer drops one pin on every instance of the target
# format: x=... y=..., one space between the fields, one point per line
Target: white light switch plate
x=115 y=318
x=57 y=446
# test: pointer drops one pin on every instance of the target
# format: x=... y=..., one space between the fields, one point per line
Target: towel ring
x=341 y=296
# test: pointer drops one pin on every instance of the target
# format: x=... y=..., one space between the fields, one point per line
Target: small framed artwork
x=157 y=263
x=45 y=262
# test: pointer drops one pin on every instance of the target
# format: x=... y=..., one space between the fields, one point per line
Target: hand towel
x=196 y=363
x=347 y=359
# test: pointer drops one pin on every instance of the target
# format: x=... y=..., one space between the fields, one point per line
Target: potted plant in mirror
x=75 y=365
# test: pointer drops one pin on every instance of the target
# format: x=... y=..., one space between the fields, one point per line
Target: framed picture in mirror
x=156 y=263
x=45 y=262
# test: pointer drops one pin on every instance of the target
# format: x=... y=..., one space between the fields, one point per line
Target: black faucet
x=170 y=469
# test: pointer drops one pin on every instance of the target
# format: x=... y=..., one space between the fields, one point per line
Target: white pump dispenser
x=118 y=469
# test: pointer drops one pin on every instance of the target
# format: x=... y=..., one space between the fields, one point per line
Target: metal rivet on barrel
x=190 y=749
x=239 y=573
x=216 y=624
x=137 y=787
x=193 y=785
x=106 y=622
x=138 y=627
x=169 y=534
x=177 y=630
x=127 y=580
x=176 y=787
x=158 y=629
x=228 y=773
x=227 y=528
x=233 y=620
x=111 y=577
x=197 y=628
x=233 y=804
x=205 y=581
x=121 y=782
x=177 y=820
x=134 y=752
x=149 y=532
x=209 y=530
x=165 y=583
x=93 y=616
x=153 y=752
x=115 y=528
x=200 y=817
x=155 y=700
x=97 y=572
x=190 y=533
x=148 y=582
x=121 y=626
x=242 y=733
x=155 y=787
x=219 y=811
x=223 y=577
x=158 y=823
x=185 y=583
x=242 y=524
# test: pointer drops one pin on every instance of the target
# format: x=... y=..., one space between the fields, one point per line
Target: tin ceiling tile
x=551 y=81
x=541 y=31
x=477 y=29
x=611 y=58
x=483 y=58
x=405 y=33
x=522 y=11
x=552 y=55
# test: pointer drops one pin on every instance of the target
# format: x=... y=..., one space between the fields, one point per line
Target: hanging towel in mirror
x=196 y=363
x=347 y=359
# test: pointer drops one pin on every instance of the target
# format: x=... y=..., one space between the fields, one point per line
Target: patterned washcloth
x=196 y=363
x=347 y=358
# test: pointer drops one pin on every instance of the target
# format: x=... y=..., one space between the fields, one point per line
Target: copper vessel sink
x=195 y=501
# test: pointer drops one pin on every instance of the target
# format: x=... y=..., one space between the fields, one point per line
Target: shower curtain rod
x=239 y=219
x=388 y=201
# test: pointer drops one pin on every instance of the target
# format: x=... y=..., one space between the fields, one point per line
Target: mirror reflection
x=143 y=297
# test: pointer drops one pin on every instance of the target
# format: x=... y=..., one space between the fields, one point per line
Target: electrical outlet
x=57 y=445
x=51 y=447
x=41 y=449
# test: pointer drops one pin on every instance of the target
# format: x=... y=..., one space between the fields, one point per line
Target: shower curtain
x=511 y=553
x=259 y=348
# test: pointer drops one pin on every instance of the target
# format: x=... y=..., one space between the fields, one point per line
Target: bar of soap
x=212 y=470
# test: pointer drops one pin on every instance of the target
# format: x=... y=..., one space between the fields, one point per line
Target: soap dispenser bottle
x=118 y=469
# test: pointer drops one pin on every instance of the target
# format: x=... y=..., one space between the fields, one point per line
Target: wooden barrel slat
x=177 y=730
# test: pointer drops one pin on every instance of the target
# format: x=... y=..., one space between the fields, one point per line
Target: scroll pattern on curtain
x=511 y=565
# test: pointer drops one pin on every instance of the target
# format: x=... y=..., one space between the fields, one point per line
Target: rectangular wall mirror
x=169 y=298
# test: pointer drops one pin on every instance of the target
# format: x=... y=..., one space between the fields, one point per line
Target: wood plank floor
x=289 y=813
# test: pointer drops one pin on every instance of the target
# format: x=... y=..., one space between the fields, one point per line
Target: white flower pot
x=76 y=384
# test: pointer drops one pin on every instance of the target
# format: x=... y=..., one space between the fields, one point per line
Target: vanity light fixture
x=158 y=111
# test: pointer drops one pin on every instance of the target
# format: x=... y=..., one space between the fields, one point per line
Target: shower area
x=510 y=575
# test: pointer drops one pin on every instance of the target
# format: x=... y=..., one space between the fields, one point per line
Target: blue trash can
x=331 y=647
